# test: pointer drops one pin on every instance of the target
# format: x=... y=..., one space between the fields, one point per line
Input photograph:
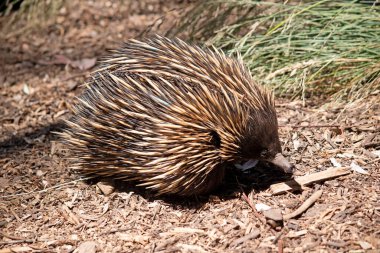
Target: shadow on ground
x=257 y=179
x=27 y=140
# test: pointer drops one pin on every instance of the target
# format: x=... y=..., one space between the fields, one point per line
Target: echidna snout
x=170 y=117
x=280 y=161
x=261 y=141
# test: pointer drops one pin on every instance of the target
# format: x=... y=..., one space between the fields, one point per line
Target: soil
x=45 y=207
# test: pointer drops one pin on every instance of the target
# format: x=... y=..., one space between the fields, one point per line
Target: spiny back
x=169 y=116
x=175 y=58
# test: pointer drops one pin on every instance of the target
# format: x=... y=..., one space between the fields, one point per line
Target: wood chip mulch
x=44 y=207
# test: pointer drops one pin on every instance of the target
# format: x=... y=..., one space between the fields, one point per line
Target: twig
x=330 y=142
x=369 y=138
x=278 y=236
x=69 y=215
x=296 y=234
x=372 y=144
x=249 y=202
x=324 y=126
x=18 y=241
x=16 y=249
x=280 y=246
x=253 y=235
x=310 y=201
x=338 y=244
x=11 y=236
x=299 y=182
x=112 y=231
x=45 y=190
x=15 y=215
x=312 y=126
x=115 y=230
x=367 y=143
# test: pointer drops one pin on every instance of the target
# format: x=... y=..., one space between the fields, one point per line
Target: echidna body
x=171 y=117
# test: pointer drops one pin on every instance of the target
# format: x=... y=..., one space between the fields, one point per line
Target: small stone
x=273 y=214
x=105 y=188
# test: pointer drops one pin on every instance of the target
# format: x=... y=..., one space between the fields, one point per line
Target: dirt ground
x=44 y=207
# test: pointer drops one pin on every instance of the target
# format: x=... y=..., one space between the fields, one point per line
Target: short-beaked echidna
x=171 y=117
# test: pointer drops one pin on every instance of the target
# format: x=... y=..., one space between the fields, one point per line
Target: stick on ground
x=297 y=183
x=310 y=201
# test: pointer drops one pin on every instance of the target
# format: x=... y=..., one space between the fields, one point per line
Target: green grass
x=31 y=14
x=301 y=49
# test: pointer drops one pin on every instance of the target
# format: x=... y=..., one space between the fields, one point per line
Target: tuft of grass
x=301 y=48
x=19 y=16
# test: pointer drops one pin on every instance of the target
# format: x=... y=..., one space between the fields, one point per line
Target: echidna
x=172 y=117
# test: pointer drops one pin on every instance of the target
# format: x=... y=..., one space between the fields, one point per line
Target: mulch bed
x=44 y=207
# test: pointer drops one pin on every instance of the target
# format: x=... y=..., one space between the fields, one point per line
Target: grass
x=301 y=48
x=29 y=15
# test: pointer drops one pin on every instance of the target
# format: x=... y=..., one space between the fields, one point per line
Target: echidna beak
x=281 y=162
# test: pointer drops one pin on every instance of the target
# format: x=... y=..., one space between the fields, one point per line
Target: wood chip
x=365 y=245
x=192 y=248
x=86 y=247
x=16 y=249
x=180 y=230
x=43 y=198
x=253 y=235
x=142 y=239
x=294 y=234
x=69 y=215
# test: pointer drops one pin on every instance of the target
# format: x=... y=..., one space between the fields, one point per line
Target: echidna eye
x=264 y=153
x=215 y=139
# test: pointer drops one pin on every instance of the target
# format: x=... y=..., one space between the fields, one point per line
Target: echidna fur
x=171 y=117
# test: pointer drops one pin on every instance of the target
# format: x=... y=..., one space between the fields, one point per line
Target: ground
x=45 y=207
